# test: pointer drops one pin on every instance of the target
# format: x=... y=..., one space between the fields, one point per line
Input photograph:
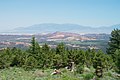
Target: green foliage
x=90 y=55
x=80 y=68
x=117 y=53
x=61 y=57
x=44 y=57
x=33 y=55
x=114 y=42
x=34 y=49
x=16 y=74
x=30 y=63
x=5 y=58
x=114 y=46
x=88 y=76
x=12 y=57
x=97 y=61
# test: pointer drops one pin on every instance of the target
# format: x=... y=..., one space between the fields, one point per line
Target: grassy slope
x=21 y=74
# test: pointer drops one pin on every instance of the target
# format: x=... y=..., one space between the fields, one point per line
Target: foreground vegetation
x=37 y=63
x=14 y=73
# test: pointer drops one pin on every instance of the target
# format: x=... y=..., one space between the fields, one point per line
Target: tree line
x=60 y=57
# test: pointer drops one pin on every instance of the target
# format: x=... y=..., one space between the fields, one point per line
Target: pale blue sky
x=21 y=13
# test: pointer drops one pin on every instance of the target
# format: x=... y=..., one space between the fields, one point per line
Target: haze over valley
x=54 y=27
x=73 y=35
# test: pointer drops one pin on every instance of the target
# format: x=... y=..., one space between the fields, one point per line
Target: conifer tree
x=117 y=55
x=60 y=51
x=34 y=55
x=114 y=42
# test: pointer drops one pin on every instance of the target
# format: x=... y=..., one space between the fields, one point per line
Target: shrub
x=88 y=76
x=80 y=68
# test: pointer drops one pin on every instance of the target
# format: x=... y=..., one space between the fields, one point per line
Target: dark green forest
x=36 y=57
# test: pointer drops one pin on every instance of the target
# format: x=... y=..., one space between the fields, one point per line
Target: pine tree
x=114 y=42
x=6 y=58
x=46 y=56
x=117 y=55
x=98 y=63
x=34 y=52
x=61 y=51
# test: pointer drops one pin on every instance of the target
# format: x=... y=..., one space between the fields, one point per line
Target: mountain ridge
x=53 y=27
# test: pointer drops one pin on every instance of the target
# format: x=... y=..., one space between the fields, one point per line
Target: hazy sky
x=21 y=13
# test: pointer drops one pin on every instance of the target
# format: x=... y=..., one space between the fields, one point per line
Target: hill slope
x=50 y=27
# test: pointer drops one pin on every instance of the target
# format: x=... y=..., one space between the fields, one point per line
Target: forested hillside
x=96 y=63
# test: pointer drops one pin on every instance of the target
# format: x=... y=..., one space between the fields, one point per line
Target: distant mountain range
x=74 y=28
